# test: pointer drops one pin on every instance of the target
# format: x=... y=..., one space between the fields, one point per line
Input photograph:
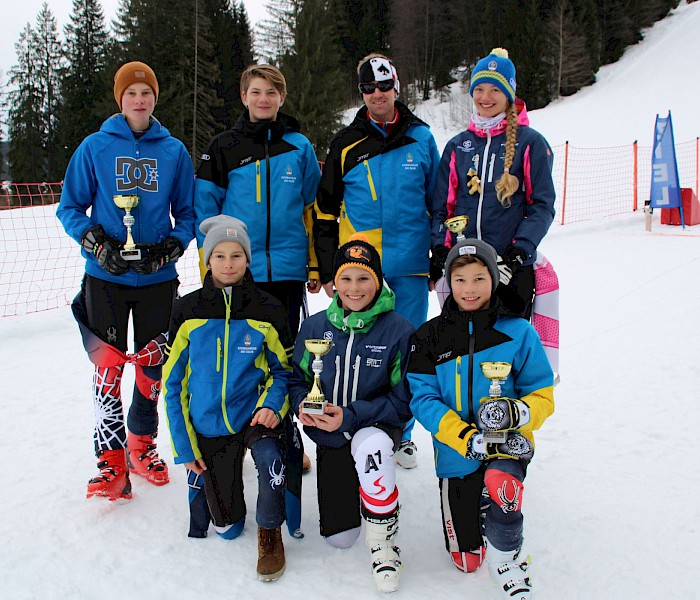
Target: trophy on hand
x=315 y=401
x=130 y=251
x=496 y=372
x=457 y=225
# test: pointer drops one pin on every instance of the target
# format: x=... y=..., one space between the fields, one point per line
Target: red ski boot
x=113 y=481
x=144 y=460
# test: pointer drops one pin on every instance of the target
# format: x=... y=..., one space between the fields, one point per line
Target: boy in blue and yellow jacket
x=225 y=389
x=452 y=399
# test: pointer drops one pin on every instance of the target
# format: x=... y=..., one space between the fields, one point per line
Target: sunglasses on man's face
x=384 y=86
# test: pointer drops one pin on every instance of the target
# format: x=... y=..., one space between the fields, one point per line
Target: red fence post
x=566 y=168
x=635 y=190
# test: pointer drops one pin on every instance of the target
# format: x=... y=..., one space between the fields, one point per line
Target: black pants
x=108 y=306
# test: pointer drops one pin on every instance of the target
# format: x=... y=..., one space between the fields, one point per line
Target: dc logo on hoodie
x=141 y=174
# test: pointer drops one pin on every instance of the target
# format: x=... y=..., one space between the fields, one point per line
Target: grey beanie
x=481 y=250
x=223 y=228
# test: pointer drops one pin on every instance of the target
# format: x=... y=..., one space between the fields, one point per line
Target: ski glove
x=500 y=414
x=154 y=256
x=438 y=257
x=513 y=258
x=516 y=446
x=106 y=250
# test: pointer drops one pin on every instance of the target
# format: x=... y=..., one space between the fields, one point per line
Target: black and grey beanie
x=223 y=228
x=479 y=249
x=358 y=252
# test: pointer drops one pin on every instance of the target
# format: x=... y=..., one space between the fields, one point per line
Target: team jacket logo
x=141 y=174
x=374 y=362
x=466 y=146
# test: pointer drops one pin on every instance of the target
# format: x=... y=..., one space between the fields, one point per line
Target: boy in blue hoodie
x=131 y=155
x=452 y=398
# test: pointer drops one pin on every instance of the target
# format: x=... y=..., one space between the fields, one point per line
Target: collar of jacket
x=259 y=131
x=486 y=317
x=239 y=292
x=363 y=320
x=406 y=119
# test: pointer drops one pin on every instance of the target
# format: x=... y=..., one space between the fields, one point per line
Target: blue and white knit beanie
x=496 y=69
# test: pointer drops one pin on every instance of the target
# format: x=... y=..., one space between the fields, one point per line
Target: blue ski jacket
x=380 y=185
x=228 y=355
x=266 y=175
x=364 y=372
x=447 y=383
x=110 y=162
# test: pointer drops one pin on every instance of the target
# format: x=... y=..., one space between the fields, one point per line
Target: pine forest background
x=60 y=89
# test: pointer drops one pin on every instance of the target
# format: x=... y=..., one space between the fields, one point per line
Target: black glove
x=500 y=414
x=512 y=259
x=105 y=249
x=437 y=262
x=516 y=446
x=154 y=256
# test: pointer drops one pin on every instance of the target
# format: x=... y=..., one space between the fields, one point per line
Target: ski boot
x=113 y=481
x=380 y=531
x=509 y=573
x=407 y=455
x=468 y=561
x=144 y=460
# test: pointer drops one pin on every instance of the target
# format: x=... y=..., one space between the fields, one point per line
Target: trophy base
x=310 y=407
x=134 y=254
x=495 y=437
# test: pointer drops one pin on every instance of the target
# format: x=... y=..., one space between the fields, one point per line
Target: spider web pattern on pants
x=110 y=431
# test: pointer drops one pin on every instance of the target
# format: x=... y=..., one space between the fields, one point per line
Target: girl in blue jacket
x=131 y=155
x=499 y=173
x=453 y=399
x=363 y=379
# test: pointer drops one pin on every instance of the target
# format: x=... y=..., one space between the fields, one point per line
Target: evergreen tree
x=232 y=50
x=50 y=62
x=275 y=35
x=84 y=89
x=313 y=75
x=175 y=40
x=24 y=115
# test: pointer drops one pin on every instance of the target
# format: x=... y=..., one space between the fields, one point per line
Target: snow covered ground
x=610 y=506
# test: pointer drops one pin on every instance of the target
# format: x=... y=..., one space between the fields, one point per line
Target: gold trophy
x=457 y=225
x=130 y=251
x=315 y=401
x=496 y=372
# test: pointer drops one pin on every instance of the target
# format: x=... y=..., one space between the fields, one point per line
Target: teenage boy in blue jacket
x=132 y=154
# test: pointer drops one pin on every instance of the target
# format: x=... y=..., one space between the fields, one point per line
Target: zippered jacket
x=526 y=221
x=266 y=175
x=228 y=355
x=110 y=162
x=447 y=383
x=381 y=186
x=365 y=370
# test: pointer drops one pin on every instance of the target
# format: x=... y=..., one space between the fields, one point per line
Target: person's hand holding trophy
x=499 y=414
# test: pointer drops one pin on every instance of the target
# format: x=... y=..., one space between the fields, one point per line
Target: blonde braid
x=508 y=184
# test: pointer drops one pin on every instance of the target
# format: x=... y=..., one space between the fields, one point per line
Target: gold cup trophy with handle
x=315 y=401
x=457 y=225
x=497 y=373
x=128 y=203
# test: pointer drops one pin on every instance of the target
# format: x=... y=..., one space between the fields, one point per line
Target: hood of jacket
x=266 y=130
x=117 y=125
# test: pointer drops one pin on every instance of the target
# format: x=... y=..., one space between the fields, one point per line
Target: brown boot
x=305 y=463
x=270 y=554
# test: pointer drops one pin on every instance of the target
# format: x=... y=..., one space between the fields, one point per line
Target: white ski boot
x=380 y=530
x=406 y=456
x=509 y=573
